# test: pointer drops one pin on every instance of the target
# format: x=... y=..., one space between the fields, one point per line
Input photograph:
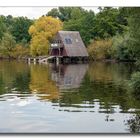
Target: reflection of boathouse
x=68 y=45
x=68 y=76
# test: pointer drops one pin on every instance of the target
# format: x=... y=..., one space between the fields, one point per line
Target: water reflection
x=94 y=92
x=14 y=79
x=50 y=80
x=68 y=76
x=41 y=83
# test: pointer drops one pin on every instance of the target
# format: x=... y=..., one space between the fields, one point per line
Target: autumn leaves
x=42 y=32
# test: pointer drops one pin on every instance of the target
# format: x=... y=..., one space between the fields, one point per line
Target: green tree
x=108 y=23
x=54 y=13
x=2 y=26
x=121 y=49
x=82 y=21
x=63 y=13
x=7 y=44
x=8 y=21
x=135 y=83
x=128 y=44
x=20 y=29
x=134 y=29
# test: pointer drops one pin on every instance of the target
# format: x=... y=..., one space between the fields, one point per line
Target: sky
x=32 y=12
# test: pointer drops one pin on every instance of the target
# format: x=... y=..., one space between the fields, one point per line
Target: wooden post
x=34 y=61
x=57 y=60
x=29 y=60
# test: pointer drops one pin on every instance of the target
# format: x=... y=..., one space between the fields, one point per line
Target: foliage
x=105 y=24
x=20 y=51
x=14 y=31
x=120 y=48
x=20 y=29
x=76 y=19
x=135 y=82
x=108 y=22
x=54 y=13
x=100 y=49
x=138 y=65
x=63 y=13
x=126 y=46
x=39 y=44
x=134 y=24
x=43 y=31
x=134 y=124
x=120 y=24
x=84 y=24
x=7 y=44
x=2 y=27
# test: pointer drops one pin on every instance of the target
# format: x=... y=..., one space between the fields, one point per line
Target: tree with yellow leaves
x=42 y=32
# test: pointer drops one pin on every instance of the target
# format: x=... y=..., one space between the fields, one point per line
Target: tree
x=128 y=44
x=42 y=32
x=54 y=13
x=7 y=44
x=134 y=24
x=100 y=49
x=109 y=22
x=82 y=21
x=20 y=51
x=105 y=24
x=8 y=21
x=2 y=26
x=20 y=29
x=120 y=49
x=63 y=13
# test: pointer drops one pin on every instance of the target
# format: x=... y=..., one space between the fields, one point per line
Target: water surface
x=77 y=98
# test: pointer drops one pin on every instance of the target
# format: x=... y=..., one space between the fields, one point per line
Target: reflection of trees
x=21 y=81
x=2 y=89
x=13 y=75
x=40 y=82
x=104 y=81
x=108 y=94
x=134 y=124
x=107 y=71
x=50 y=79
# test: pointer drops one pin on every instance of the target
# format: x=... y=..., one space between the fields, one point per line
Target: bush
x=20 y=51
x=121 y=49
x=138 y=64
x=100 y=49
x=135 y=82
x=7 y=44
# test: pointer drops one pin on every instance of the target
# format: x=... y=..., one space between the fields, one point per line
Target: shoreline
x=101 y=60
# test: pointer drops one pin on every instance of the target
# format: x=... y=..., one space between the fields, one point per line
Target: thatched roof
x=73 y=43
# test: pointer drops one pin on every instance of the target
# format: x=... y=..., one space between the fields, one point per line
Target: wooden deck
x=57 y=59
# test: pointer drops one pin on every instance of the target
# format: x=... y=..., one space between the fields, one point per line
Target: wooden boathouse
x=68 y=46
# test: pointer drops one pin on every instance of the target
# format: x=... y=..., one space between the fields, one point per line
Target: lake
x=76 y=98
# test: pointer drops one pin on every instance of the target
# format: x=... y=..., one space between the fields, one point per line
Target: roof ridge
x=68 y=31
